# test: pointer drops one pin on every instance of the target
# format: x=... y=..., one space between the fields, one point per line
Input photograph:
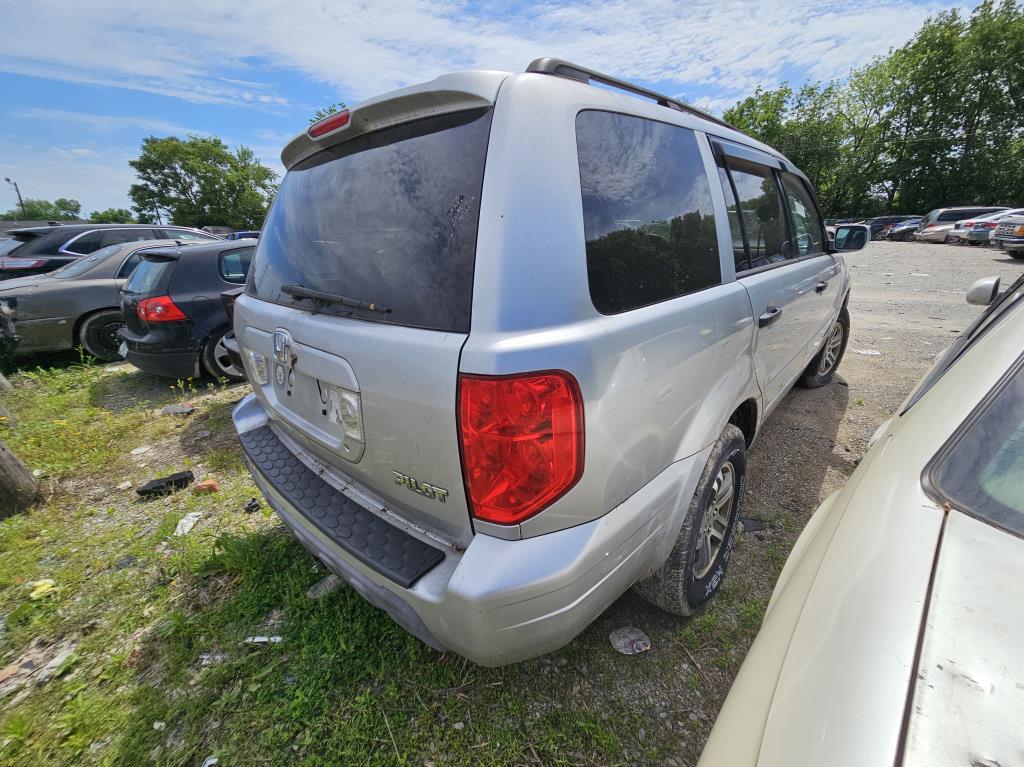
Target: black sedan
x=175 y=321
x=76 y=305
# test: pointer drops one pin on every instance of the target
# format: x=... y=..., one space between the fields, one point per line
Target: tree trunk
x=17 y=485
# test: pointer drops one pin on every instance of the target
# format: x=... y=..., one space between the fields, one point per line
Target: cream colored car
x=895 y=635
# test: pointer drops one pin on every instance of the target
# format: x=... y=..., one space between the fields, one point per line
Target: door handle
x=821 y=287
x=769 y=317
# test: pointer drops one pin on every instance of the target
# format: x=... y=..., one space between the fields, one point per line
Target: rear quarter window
x=234 y=264
x=981 y=470
x=648 y=220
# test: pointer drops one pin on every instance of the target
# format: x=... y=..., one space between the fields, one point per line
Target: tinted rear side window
x=388 y=218
x=234 y=264
x=647 y=214
x=150 y=276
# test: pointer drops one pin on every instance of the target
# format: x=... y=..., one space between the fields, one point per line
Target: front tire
x=1018 y=254
x=823 y=367
x=98 y=334
x=695 y=569
x=216 y=361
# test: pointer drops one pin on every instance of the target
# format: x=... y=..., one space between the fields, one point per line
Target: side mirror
x=851 y=237
x=984 y=291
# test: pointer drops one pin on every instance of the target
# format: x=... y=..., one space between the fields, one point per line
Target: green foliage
x=199 y=181
x=112 y=216
x=327 y=111
x=61 y=209
x=936 y=122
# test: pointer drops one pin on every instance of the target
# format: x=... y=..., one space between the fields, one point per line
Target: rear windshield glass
x=981 y=471
x=85 y=263
x=150 y=276
x=388 y=218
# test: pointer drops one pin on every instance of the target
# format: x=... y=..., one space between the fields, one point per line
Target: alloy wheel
x=716 y=521
x=832 y=348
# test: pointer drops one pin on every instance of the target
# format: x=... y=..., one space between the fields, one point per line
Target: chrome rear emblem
x=282 y=347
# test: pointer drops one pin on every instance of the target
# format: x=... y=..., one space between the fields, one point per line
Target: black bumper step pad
x=390 y=551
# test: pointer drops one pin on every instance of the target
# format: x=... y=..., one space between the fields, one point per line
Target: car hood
x=968 y=705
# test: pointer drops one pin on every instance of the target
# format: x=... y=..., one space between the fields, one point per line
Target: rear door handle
x=821 y=287
x=769 y=317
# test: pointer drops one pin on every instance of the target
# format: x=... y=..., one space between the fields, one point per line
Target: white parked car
x=895 y=631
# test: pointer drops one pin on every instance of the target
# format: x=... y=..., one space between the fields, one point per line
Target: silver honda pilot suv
x=510 y=337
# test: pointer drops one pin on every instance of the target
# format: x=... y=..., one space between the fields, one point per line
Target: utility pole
x=17 y=191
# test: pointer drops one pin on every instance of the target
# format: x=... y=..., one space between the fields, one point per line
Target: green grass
x=345 y=686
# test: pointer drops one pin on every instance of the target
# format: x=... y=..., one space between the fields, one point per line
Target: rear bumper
x=501 y=601
x=973 y=236
x=171 y=352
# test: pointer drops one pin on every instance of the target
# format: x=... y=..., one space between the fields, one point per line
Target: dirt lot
x=137 y=653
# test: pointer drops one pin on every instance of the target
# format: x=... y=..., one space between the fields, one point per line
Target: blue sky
x=82 y=83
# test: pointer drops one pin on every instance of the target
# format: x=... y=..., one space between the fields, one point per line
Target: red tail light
x=989 y=225
x=328 y=124
x=522 y=442
x=968 y=224
x=159 y=309
x=21 y=263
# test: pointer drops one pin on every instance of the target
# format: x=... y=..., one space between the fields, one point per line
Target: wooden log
x=18 y=488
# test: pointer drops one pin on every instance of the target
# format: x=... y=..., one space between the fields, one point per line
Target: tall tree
x=199 y=181
x=61 y=209
x=112 y=216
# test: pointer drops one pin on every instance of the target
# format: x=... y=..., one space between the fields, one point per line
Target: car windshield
x=980 y=470
x=85 y=263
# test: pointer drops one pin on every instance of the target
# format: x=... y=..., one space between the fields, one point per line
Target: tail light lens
x=159 y=309
x=989 y=225
x=21 y=263
x=328 y=124
x=522 y=442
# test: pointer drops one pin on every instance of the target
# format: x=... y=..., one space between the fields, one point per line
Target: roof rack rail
x=560 y=68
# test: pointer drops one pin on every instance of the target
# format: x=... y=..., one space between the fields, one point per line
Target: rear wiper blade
x=319 y=297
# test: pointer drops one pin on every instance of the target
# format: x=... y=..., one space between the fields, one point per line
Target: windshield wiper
x=319 y=297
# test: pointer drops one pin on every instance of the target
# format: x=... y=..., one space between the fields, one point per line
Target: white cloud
x=102 y=122
x=188 y=48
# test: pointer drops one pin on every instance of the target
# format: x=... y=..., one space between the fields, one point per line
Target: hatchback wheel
x=98 y=334
x=826 y=361
x=216 y=360
x=695 y=568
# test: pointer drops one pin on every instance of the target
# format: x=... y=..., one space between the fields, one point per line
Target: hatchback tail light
x=989 y=225
x=159 y=309
x=522 y=442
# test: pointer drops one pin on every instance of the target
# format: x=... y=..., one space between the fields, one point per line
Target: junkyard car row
x=492 y=402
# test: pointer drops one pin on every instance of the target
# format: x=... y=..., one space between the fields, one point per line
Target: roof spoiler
x=445 y=94
x=561 y=68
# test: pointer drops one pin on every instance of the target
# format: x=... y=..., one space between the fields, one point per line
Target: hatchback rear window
x=388 y=218
x=150 y=277
x=647 y=213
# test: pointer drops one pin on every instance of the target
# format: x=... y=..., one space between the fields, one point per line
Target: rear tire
x=98 y=334
x=823 y=366
x=1018 y=254
x=216 y=361
x=908 y=237
x=695 y=569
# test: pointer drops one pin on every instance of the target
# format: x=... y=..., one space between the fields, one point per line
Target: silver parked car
x=938 y=225
x=493 y=402
x=78 y=304
x=893 y=636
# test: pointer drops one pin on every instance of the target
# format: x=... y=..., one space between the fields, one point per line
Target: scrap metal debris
x=263 y=639
x=187 y=522
x=866 y=352
x=252 y=505
x=178 y=410
x=166 y=485
x=630 y=640
x=323 y=587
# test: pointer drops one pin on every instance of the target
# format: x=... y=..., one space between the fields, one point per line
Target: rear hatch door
x=359 y=299
x=151 y=278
